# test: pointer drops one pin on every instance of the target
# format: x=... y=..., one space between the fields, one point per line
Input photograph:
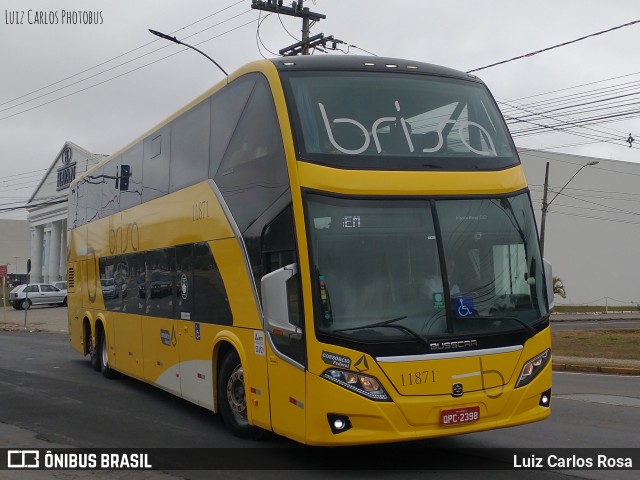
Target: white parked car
x=23 y=296
x=109 y=288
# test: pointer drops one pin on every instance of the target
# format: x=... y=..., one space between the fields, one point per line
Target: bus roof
x=365 y=63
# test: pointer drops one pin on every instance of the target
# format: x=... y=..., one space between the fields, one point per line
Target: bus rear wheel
x=103 y=356
x=232 y=398
x=92 y=350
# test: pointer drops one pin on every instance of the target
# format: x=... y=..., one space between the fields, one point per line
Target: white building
x=592 y=227
x=14 y=247
x=47 y=209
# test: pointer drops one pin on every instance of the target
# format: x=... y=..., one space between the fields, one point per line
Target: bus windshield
x=385 y=269
x=360 y=120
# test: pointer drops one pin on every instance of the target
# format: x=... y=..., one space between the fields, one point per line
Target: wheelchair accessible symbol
x=464 y=307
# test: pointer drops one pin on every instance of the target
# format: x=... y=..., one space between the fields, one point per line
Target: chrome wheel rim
x=236 y=398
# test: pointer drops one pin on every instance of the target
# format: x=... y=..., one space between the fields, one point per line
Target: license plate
x=459 y=416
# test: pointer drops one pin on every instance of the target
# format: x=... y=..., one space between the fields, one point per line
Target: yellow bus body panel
x=413 y=417
x=410 y=183
x=187 y=366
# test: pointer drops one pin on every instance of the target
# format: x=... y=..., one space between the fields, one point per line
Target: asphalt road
x=50 y=397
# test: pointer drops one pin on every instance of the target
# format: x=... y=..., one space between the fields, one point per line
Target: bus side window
x=278 y=242
x=253 y=173
x=190 y=147
x=155 y=164
x=226 y=107
x=131 y=177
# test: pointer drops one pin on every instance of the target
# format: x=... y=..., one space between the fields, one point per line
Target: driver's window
x=278 y=248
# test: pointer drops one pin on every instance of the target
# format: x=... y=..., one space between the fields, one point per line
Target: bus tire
x=103 y=356
x=92 y=351
x=232 y=398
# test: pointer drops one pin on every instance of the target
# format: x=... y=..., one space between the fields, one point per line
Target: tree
x=558 y=287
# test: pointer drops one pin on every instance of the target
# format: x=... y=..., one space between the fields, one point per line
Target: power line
x=122 y=74
x=531 y=54
x=120 y=56
x=35 y=205
x=575 y=86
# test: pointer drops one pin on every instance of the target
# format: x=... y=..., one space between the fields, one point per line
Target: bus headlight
x=533 y=367
x=365 y=385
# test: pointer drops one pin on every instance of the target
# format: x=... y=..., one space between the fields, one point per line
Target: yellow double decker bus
x=341 y=250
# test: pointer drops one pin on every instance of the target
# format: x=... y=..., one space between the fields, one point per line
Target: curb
x=595 y=369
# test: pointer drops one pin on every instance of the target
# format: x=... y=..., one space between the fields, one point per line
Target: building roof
x=92 y=157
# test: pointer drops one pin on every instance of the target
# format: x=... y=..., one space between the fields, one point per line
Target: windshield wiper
x=514 y=319
x=373 y=325
x=387 y=324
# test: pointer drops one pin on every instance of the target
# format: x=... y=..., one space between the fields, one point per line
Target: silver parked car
x=23 y=296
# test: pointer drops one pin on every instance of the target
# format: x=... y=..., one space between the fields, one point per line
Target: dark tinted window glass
x=110 y=286
x=253 y=173
x=278 y=243
x=211 y=302
x=155 y=168
x=393 y=121
x=184 y=282
x=190 y=147
x=93 y=185
x=72 y=217
x=134 y=296
x=81 y=209
x=110 y=194
x=159 y=285
x=226 y=107
x=130 y=196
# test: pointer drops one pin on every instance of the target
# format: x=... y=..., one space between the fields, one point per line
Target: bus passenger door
x=281 y=302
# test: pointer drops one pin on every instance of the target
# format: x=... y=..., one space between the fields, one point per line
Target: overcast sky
x=103 y=84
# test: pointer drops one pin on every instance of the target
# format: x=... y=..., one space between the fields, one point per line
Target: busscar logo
x=453 y=345
x=23 y=459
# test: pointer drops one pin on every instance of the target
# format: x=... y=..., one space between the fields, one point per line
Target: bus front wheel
x=232 y=398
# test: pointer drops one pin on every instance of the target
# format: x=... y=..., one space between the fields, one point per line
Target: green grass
x=594 y=308
x=614 y=344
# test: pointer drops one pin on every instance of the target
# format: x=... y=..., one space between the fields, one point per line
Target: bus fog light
x=545 y=399
x=338 y=423
x=533 y=367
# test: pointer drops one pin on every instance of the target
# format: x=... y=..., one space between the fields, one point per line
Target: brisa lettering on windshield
x=461 y=124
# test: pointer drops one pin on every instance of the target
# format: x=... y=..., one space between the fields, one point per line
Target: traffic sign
x=3 y=271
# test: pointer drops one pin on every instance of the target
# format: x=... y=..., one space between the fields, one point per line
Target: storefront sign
x=67 y=172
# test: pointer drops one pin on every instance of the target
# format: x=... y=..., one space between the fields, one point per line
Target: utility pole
x=545 y=204
x=545 y=207
x=297 y=9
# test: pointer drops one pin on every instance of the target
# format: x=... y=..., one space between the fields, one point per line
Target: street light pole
x=175 y=40
x=545 y=204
